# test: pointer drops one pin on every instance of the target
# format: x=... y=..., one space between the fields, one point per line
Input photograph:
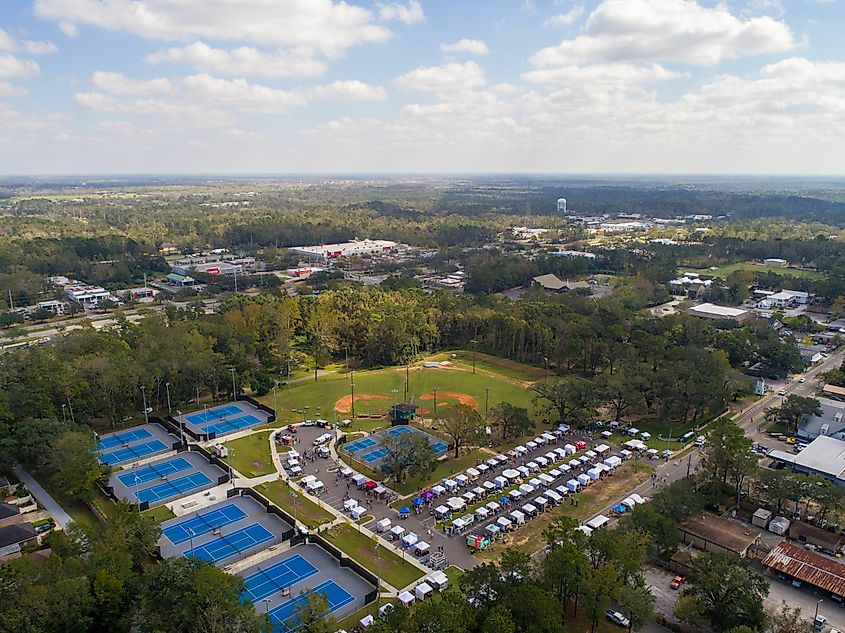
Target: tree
x=311 y=615
x=409 y=453
x=637 y=602
x=787 y=620
x=596 y=590
x=463 y=425
x=622 y=390
x=724 y=592
x=726 y=456
x=793 y=411
x=447 y=613
x=181 y=595
x=499 y=620
x=646 y=519
x=72 y=461
x=511 y=421
x=573 y=399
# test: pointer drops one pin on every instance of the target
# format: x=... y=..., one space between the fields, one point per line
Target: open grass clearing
x=493 y=364
x=376 y=390
x=446 y=468
x=160 y=513
x=727 y=269
x=394 y=570
x=307 y=512
x=350 y=622
x=251 y=455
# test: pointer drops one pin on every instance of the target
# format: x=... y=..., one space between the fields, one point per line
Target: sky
x=422 y=86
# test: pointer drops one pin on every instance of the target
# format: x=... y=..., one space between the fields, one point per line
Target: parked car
x=617 y=618
x=676 y=582
x=782 y=392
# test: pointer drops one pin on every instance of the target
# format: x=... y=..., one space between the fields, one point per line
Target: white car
x=617 y=618
x=325 y=437
x=782 y=392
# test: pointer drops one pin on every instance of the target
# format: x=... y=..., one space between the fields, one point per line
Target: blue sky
x=436 y=86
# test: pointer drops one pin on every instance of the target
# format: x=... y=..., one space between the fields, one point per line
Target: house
x=837 y=326
x=9 y=514
x=811 y=354
x=715 y=534
x=820 y=572
x=553 y=283
x=806 y=533
x=776 y=261
x=719 y=313
x=696 y=291
x=829 y=423
x=13 y=538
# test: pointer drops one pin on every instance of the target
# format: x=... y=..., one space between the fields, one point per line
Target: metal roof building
x=806 y=566
x=824 y=456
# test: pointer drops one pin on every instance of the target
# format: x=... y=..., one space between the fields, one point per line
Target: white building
x=561 y=205
x=775 y=261
x=784 y=299
x=86 y=293
x=53 y=305
x=719 y=313
x=346 y=249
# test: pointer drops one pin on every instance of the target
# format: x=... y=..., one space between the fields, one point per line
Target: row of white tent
x=601 y=520
x=312 y=484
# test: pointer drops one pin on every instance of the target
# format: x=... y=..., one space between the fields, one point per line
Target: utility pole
x=378 y=569
x=352 y=393
x=407 y=380
x=169 y=408
x=474 y=347
x=144 y=399
x=435 y=403
x=234 y=388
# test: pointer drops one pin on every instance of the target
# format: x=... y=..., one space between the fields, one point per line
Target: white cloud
x=243 y=61
x=464 y=45
x=39 y=48
x=13 y=68
x=69 y=29
x=7 y=42
x=326 y=25
x=566 y=18
x=241 y=95
x=408 y=14
x=119 y=84
x=11 y=90
x=618 y=74
x=348 y=91
x=681 y=31
x=451 y=76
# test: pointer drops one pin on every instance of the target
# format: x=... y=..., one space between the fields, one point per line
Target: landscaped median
x=356 y=544
x=307 y=512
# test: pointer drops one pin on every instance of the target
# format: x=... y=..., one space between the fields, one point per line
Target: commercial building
x=784 y=299
x=87 y=294
x=829 y=423
x=553 y=283
x=216 y=262
x=719 y=313
x=776 y=261
x=715 y=534
x=53 y=305
x=576 y=254
x=356 y=248
x=175 y=279
x=824 y=456
x=805 y=566
x=834 y=392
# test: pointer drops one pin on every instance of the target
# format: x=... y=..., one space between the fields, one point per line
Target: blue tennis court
x=210 y=415
x=233 y=424
x=168 y=489
x=357 y=445
x=203 y=523
x=225 y=547
x=113 y=441
x=398 y=430
x=155 y=471
x=374 y=456
x=285 y=617
x=266 y=582
x=132 y=452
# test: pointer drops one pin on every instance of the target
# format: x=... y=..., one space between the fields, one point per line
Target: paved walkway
x=56 y=511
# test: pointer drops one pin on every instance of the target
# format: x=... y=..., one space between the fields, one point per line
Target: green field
x=307 y=512
x=724 y=271
x=250 y=455
x=374 y=392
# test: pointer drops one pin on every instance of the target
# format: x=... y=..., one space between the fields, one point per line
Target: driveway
x=61 y=517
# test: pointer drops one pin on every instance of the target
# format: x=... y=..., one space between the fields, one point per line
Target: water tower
x=561 y=205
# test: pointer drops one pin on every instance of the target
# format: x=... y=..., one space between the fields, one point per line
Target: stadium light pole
x=435 y=403
x=191 y=537
x=378 y=568
x=815 y=617
x=352 y=393
x=293 y=496
x=234 y=388
x=474 y=348
x=275 y=402
x=64 y=415
x=144 y=399
x=167 y=389
x=487 y=400
x=137 y=481
x=266 y=602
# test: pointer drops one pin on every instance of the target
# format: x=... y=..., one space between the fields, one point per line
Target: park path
x=56 y=511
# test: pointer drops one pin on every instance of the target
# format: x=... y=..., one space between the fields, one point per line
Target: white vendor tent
x=423 y=590
x=406 y=598
x=383 y=525
x=597 y=522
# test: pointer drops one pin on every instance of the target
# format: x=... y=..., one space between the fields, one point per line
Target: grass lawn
x=529 y=537
x=160 y=514
x=350 y=622
x=250 y=455
x=361 y=547
x=307 y=512
x=374 y=391
x=724 y=271
x=493 y=364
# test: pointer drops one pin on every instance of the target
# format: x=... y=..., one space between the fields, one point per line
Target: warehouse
x=805 y=566
x=719 y=313
x=824 y=456
x=355 y=248
x=715 y=534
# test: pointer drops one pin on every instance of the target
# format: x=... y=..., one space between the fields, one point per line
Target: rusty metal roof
x=806 y=566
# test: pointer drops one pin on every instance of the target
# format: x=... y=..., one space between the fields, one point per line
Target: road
x=61 y=517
